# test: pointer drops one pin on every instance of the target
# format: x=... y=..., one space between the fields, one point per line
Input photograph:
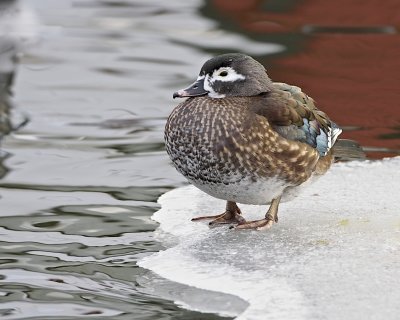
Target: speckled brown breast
x=221 y=141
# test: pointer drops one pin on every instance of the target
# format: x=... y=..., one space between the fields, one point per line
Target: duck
x=240 y=137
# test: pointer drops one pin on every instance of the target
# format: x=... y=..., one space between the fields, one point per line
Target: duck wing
x=294 y=116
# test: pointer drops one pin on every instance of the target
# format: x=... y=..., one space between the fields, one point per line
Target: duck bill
x=194 y=90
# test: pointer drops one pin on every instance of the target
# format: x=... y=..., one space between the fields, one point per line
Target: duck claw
x=263 y=224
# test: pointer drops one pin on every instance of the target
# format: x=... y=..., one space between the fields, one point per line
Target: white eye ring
x=226 y=74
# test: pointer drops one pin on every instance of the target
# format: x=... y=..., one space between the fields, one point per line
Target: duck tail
x=348 y=150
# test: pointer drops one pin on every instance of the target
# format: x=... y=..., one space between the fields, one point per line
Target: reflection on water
x=80 y=181
x=345 y=59
x=17 y=26
x=84 y=175
x=13 y=38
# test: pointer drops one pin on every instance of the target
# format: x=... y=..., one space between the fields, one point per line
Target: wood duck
x=242 y=138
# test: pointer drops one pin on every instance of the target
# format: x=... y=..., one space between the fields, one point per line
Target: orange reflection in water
x=348 y=61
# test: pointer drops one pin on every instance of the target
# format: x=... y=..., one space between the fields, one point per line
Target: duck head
x=229 y=75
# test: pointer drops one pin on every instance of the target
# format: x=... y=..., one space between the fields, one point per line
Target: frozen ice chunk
x=335 y=253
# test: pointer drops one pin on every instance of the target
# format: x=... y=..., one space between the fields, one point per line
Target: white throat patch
x=211 y=92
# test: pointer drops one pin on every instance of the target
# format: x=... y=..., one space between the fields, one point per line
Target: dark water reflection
x=81 y=180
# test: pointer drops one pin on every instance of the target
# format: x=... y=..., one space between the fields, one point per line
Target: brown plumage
x=236 y=135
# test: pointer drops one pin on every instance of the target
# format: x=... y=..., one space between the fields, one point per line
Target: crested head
x=229 y=75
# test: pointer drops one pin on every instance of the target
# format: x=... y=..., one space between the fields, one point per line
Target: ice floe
x=335 y=253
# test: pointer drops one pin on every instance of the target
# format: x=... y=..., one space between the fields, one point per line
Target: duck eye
x=223 y=73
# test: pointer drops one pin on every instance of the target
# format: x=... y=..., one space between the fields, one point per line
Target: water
x=80 y=181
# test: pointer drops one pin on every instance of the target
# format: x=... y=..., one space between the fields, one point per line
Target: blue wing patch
x=320 y=133
x=319 y=138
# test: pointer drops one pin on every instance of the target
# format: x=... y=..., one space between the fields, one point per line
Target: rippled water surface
x=81 y=180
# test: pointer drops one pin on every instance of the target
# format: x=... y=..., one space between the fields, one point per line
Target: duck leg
x=270 y=218
x=232 y=214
